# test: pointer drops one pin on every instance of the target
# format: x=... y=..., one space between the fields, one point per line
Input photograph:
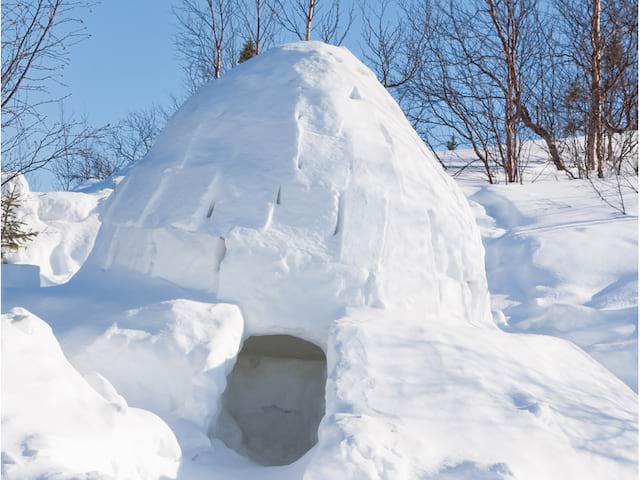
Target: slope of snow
x=293 y=198
x=182 y=351
x=53 y=421
x=66 y=223
x=304 y=195
x=576 y=258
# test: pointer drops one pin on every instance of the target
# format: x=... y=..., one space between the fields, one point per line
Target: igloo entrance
x=274 y=399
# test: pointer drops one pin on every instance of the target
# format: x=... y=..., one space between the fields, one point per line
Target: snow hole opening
x=274 y=400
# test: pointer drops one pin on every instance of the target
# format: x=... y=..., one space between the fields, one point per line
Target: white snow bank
x=182 y=351
x=424 y=399
x=401 y=393
x=67 y=224
x=54 y=421
x=561 y=262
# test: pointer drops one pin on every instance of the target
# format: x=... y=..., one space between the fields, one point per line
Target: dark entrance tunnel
x=274 y=399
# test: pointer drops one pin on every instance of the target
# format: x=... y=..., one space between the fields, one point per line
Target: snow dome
x=295 y=187
x=293 y=285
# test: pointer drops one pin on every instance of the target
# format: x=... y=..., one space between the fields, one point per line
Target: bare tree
x=620 y=82
x=463 y=85
x=334 y=25
x=392 y=41
x=206 y=39
x=36 y=40
x=303 y=17
x=87 y=159
x=132 y=138
x=601 y=44
x=594 y=137
x=297 y=16
x=258 y=22
x=580 y=39
x=111 y=148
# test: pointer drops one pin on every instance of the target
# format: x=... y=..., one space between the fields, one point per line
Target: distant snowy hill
x=289 y=286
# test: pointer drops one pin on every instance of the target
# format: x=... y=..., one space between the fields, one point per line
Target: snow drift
x=54 y=421
x=66 y=224
x=293 y=198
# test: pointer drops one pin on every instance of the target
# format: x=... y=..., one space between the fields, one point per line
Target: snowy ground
x=338 y=228
x=559 y=261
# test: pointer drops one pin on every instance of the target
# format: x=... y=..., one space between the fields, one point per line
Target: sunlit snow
x=290 y=286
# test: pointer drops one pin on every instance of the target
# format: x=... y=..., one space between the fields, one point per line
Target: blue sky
x=128 y=63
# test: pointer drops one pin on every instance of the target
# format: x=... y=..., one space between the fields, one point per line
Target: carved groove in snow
x=220 y=250
x=211 y=209
x=274 y=399
x=339 y=215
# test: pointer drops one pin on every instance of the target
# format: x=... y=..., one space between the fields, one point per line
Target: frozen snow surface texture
x=182 y=351
x=66 y=223
x=576 y=258
x=292 y=197
x=55 y=424
x=297 y=193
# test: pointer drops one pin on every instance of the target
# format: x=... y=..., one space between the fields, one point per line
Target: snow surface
x=66 y=223
x=293 y=197
x=576 y=257
x=54 y=421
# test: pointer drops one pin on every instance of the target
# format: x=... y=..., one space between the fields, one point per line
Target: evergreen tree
x=575 y=108
x=248 y=51
x=14 y=234
x=452 y=144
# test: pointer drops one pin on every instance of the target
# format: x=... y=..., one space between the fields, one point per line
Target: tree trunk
x=546 y=136
x=511 y=160
x=258 y=25
x=511 y=114
x=312 y=6
x=594 y=135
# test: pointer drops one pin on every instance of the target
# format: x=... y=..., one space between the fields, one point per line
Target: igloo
x=296 y=188
x=306 y=298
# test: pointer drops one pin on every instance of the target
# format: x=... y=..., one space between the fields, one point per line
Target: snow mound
x=66 y=223
x=577 y=265
x=182 y=350
x=276 y=188
x=53 y=420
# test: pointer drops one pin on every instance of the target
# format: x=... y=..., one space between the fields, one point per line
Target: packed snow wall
x=295 y=187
